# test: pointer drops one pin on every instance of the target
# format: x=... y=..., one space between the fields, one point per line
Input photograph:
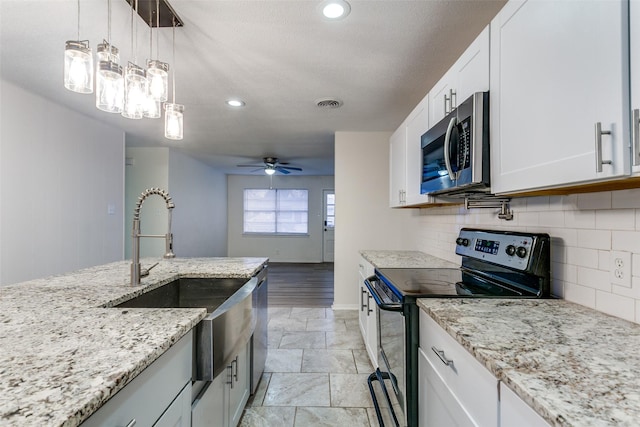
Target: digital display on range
x=487 y=246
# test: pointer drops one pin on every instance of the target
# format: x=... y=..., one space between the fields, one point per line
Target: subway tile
x=594 y=200
x=616 y=219
x=563 y=203
x=580 y=219
x=626 y=241
x=594 y=239
x=632 y=292
x=604 y=260
x=637 y=219
x=565 y=237
x=580 y=295
x=564 y=272
x=528 y=218
x=558 y=252
x=595 y=279
x=637 y=311
x=615 y=305
x=635 y=265
x=582 y=257
x=557 y=288
x=538 y=203
x=626 y=198
x=552 y=219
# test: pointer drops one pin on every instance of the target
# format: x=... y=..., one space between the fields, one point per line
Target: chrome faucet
x=136 y=272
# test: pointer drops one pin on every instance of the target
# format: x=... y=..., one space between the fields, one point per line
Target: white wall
x=278 y=249
x=61 y=173
x=146 y=168
x=198 y=191
x=200 y=216
x=363 y=217
x=584 y=229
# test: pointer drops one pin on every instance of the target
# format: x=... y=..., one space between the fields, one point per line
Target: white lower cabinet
x=514 y=412
x=466 y=390
x=160 y=396
x=221 y=402
x=368 y=313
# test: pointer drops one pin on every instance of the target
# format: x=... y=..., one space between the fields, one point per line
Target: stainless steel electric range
x=495 y=264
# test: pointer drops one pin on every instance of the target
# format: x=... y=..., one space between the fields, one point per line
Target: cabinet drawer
x=149 y=394
x=471 y=383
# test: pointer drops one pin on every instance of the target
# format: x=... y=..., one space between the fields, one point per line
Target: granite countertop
x=65 y=352
x=575 y=366
x=405 y=259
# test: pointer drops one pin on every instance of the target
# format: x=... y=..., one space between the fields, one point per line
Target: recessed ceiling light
x=335 y=9
x=235 y=103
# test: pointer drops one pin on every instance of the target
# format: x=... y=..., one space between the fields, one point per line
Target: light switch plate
x=620 y=268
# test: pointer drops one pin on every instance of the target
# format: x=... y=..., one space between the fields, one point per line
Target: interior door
x=329 y=225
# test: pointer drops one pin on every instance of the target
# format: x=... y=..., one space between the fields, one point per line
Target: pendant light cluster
x=134 y=92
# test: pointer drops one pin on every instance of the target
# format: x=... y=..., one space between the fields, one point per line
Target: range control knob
x=462 y=241
x=511 y=250
x=521 y=251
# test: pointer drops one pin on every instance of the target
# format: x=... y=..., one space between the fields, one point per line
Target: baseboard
x=344 y=306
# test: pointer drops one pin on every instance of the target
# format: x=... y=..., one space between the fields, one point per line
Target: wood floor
x=300 y=284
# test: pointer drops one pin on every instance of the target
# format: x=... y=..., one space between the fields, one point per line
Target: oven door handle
x=389 y=306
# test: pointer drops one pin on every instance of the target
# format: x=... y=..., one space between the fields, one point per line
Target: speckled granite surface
x=575 y=366
x=63 y=353
x=405 y=259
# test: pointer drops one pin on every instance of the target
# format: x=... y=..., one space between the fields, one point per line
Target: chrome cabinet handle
x=131 y=423
x=362 y=304
x=441 y=356
x=230 y=373
x=445 y=104
x=369 y=298
x=447 y=144
x=235 y=361
x=599 y=133
x=452 y=100
x=635 y=137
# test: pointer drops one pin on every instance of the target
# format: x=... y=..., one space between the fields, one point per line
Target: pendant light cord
x=78 y=20
x=157 y=28
x=132 y=51
x=174 y=61
x=108 y=27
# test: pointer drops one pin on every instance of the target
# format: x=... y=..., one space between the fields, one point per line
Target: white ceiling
x=278 y=56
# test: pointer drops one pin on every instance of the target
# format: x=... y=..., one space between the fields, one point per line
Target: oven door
x=392 y=350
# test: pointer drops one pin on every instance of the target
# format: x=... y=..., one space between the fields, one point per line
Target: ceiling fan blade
x=250 y=166
x=282 y=170
x=290 y=168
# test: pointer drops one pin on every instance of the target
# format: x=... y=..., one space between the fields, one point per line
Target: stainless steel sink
x=230 y=322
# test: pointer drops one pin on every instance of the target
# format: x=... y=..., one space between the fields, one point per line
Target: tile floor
x=316 y=372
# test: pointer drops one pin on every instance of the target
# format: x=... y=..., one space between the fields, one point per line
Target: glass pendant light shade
x=158 y=76
x=135 y=92
x=78 y=67
x=152 y=108
x=107 y=52
x=109 y=87
x=173 y=121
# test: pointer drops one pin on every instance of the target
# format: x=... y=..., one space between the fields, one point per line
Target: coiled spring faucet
x=136 y=272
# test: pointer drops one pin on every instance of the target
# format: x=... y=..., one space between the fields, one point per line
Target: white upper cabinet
x=634 y=19
x=397 y=167
x=417 y=124
x=468 y=75
x=558 y=70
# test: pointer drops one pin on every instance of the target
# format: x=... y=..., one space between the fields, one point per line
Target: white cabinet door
x=210 y=407
x=417 y=125
x=397 y=167
x=368 y=314
x=469 y=74
x=239 y=388
x=178 y=414
x=557 y=69
x=515 y=412
x=634 y=40
x=437 y=405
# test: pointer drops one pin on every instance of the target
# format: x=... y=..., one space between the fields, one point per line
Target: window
x=280 y=211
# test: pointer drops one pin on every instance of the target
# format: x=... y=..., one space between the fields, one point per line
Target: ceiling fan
x=271 y=166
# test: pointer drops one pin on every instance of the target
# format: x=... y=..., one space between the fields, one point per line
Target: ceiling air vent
x=328 y=103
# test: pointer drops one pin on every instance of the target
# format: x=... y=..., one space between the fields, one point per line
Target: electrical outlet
x=620 y=268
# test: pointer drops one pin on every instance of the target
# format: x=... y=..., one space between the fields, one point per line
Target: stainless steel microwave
x=455 y=151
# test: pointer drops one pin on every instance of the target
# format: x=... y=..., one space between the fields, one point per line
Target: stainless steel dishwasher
x=260 y=338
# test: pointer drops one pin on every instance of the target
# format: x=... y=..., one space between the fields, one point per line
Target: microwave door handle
x=447 y=144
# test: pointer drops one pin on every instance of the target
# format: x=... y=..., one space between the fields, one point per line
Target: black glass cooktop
x=445 y=282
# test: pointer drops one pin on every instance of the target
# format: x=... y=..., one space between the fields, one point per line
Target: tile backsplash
x=584 y=230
